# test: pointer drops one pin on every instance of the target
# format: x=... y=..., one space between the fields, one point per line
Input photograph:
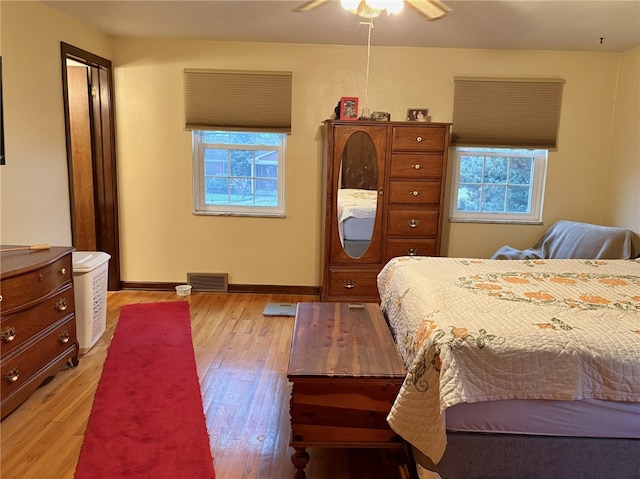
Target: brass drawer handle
x=8 y=334
x=64 y=337
x=418 y=139
x=12 y=375
x=414 y=193
x=412 y=252
x=349 y=284
x=61 y=305
x=413 y=223
x=416 y=167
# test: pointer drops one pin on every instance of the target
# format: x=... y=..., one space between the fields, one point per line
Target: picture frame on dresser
x=349 y=108
x=418 y=114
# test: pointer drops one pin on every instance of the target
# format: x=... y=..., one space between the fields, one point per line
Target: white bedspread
x=354 y=203
x=474 y=330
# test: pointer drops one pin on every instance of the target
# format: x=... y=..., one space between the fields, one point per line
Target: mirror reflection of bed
x=358 y=195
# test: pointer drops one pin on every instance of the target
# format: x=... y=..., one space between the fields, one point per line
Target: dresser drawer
x=418 y=138
x=25 y=288
x=17 y=369
x=353 y=284
x=410 y=247
x=414 y=192
x=17 y=328
x=407 y=165
x=413 y=222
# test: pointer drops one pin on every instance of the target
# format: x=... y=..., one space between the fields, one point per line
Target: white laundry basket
x=90 y=274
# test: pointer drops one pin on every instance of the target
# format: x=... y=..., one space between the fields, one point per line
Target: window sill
x=488 y=221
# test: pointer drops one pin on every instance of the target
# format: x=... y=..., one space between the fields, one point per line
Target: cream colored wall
x=622 y=198
x=575 y=173
x=34 y=184
x=162 y=240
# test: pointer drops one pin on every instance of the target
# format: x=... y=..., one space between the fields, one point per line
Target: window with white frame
x=498 y=185
x=238 y=173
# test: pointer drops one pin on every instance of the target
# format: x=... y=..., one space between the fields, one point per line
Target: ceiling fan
x=431 y=9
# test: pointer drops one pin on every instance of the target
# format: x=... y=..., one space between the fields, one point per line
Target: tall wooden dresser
x=401 y=167
x=37 y=320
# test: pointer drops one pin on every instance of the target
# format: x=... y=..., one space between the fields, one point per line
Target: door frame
x=103 y=158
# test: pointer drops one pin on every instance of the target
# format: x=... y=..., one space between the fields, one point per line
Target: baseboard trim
x=233 y=288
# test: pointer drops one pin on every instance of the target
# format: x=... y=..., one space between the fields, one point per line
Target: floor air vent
x=212 y=282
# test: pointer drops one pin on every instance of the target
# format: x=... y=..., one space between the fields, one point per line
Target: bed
x=524 y=368
x=356 y=219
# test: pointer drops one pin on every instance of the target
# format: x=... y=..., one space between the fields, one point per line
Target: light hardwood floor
x=242 y=360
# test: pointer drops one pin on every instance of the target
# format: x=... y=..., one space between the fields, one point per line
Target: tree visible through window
x=239 y=173
x=498 y=184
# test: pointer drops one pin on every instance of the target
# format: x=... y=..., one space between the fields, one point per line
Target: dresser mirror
x=357 y=198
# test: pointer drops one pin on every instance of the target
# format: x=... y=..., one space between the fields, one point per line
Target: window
x=498 y=185
x=238 y=173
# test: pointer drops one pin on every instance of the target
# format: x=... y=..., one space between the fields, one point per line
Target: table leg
x=300 y=459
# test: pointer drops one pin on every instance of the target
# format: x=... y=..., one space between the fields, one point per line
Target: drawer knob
x=349 y=284
x=40 y=277
x=418 y=139
x=63 y=271
x=416 y=167
x=64 y=337
x=412 y=252
x=61 y=305
x=8 y=334
x=414 y=193
x=413 y=223
x=12 y=375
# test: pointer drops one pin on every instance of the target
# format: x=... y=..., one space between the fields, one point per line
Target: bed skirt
x=509 y=456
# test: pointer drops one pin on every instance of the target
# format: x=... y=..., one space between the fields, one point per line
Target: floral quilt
x=474 y=330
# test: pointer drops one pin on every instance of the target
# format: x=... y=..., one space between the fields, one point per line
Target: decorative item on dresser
x=383 y=197
x=37 y=320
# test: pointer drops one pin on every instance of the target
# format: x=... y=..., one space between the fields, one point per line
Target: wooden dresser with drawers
x=37 y=320
x=400 y=167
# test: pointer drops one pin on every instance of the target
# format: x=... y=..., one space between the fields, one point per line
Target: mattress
x=585 y=418
x=474 y=331
x=358 y=229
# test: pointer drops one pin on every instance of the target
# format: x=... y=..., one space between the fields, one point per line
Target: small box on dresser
x=37 y=321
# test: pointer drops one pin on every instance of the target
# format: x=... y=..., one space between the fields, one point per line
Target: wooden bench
x=346 y=373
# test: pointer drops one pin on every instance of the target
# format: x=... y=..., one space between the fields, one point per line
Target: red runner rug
x=147 y=419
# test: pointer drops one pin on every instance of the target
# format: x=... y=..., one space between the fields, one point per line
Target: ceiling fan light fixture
x=372 y=8
x=394 y=6
x=350 y=5
x=391 y=6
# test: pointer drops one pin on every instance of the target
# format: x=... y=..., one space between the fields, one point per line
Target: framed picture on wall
x=418 y=114
x=349 y=108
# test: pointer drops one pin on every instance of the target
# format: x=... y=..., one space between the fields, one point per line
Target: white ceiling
x=503 y=24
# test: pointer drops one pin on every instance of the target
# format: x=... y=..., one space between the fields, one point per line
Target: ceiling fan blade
x=310 y=5
x=432 y=9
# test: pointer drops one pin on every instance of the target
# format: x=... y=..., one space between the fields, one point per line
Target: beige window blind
x=237 y=100
x=516 y=113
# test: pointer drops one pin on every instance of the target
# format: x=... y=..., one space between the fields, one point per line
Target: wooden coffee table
x=346 y=373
